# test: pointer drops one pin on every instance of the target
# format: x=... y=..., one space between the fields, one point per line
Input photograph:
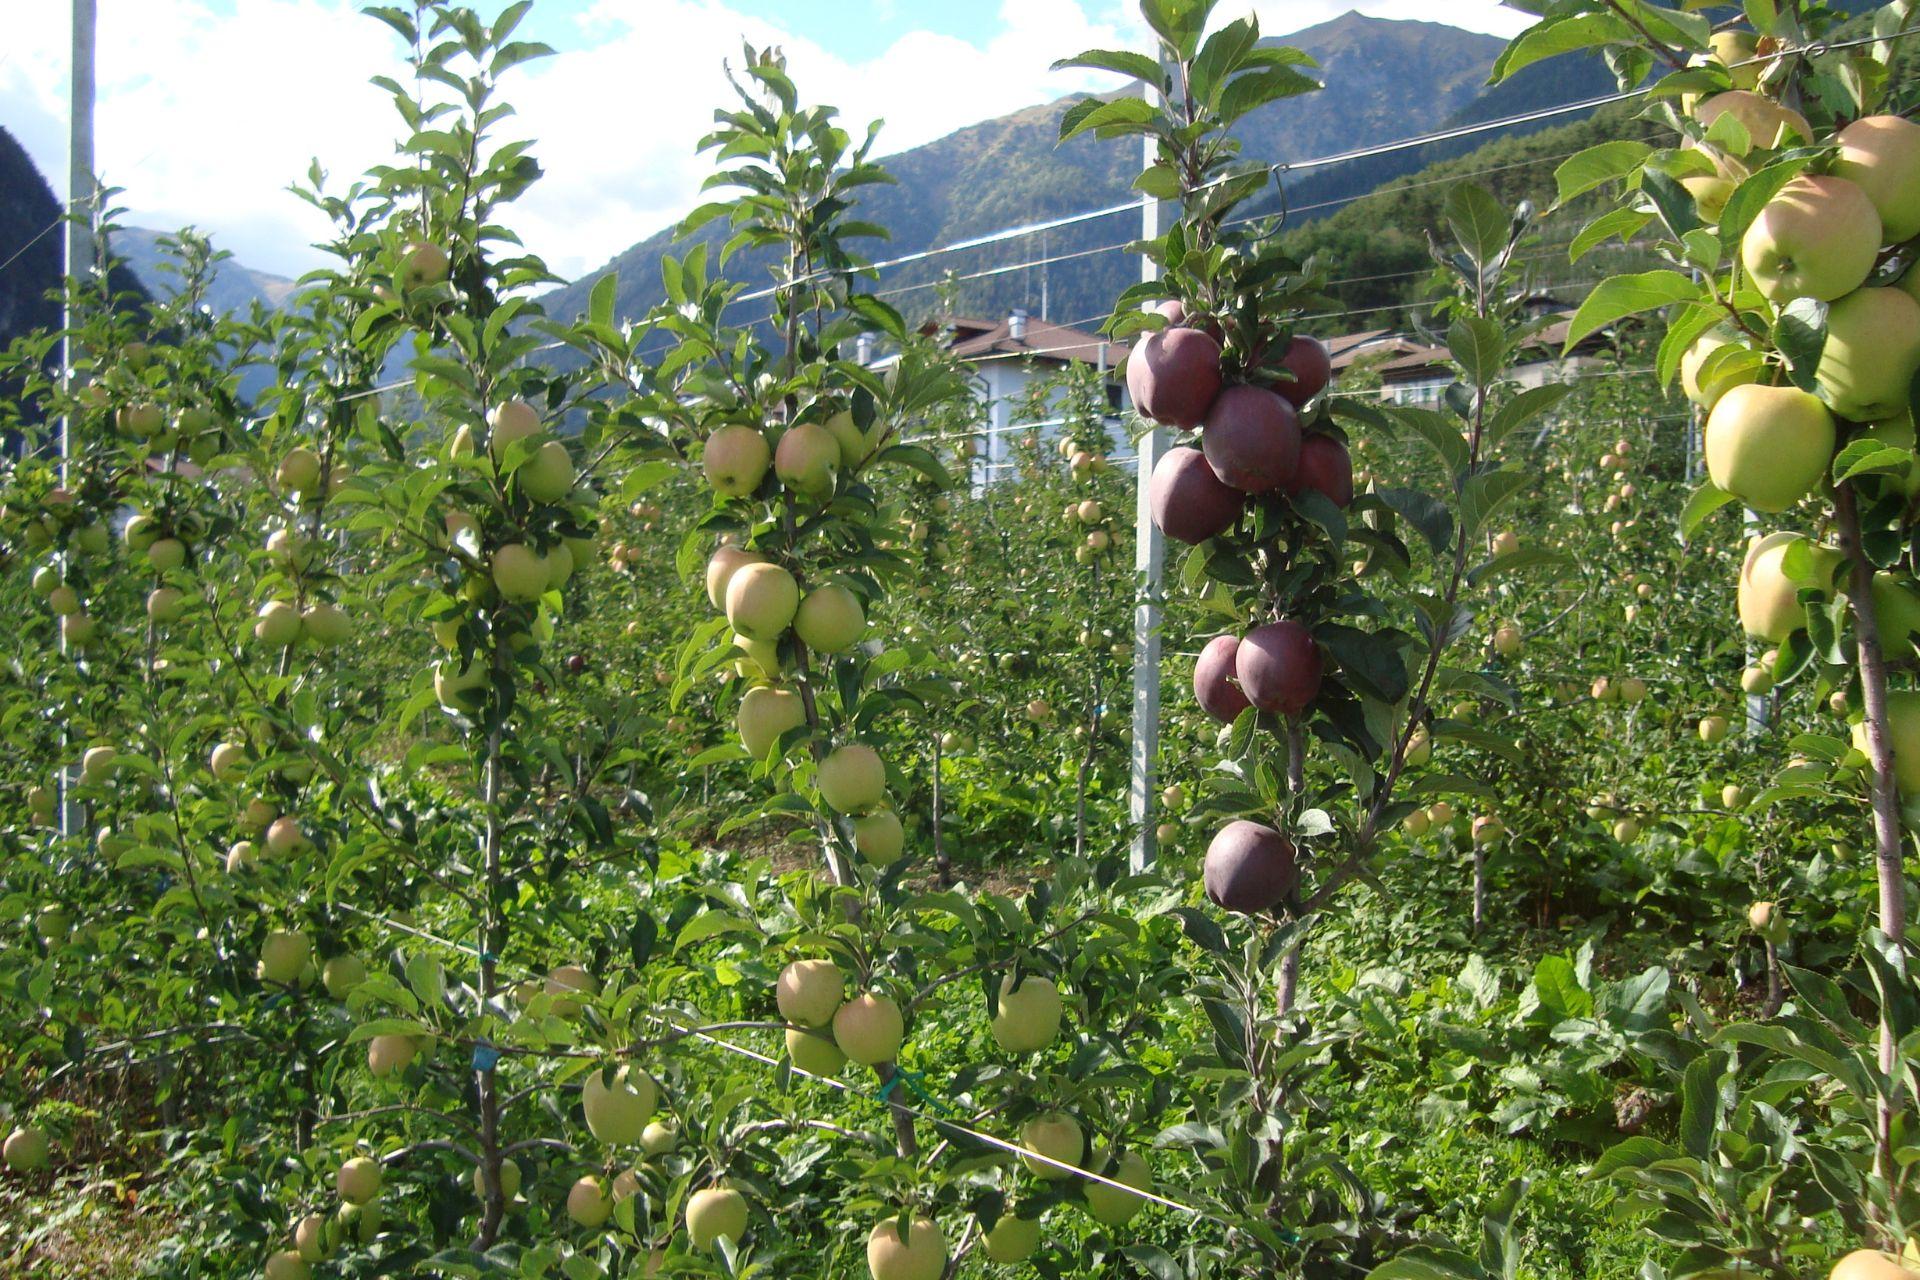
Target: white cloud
x=207 y=114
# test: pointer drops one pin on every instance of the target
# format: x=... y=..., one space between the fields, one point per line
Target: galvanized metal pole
x=83 y=209
x=1149 y=563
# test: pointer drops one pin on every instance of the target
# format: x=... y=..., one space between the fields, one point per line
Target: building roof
x=976 y=339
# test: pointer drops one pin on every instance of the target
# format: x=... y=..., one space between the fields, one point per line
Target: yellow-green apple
x=1173 y=376
x=1249 y=867
x=1872 y=353
x=1903 y=732
x=1715 y=363
x=1767 y=124
x=508 y=422
x=618 y=1103
x=1632 y=689
x=284 y=955
x=1278 y=666
x=715 y=1212
x=852 y=441
x=284 y=837
x=1012 y=1239
x=736 y=460
x=918 y=1254
x=387 y=1054
x=758 y=657
x=560 y=564
x=26 y=1149
x=814 y=1052
x=1870 y=1264
x=1506 y=641
x=566 y=981
x=167 y=554
x=141 y=419
x=762 y=600
x=721 y=567
x=298 y=472
x=1417 y=823
x=1897 y=431
x=868 y=1028
x=1713 y=728
x=1817 y=238
x=879 y=837
x=326 y=623
x=831 y=620
x=1896 y=608
x=421 y=263
x=1251 y=439
x=1769 y=600
x=588 y=1202
x=64 y=601
x=1056 y=1135
x=519 y=572
x=766 y=713
x=311 y=1239
x=1488 y=829
x=165 y=604
x=1111 y=1206
x=1029 y=1015
x=548 y=475
x=509 y=1180
x=659 y=1137
x=852 y=779
x=342 y=974
x=807 y=460
x=1881 y=155
x=460 y=688
x=287 y=1264
x=809 y=992
x=97 y=764
x=358 y=1180
x=1769 y=446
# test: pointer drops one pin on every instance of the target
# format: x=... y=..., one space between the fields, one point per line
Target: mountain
x=234 y=287
x=1385 y=80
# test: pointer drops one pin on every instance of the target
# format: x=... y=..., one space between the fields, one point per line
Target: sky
x=208 y=110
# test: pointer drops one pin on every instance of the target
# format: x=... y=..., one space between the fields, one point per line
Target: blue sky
x=208 y=109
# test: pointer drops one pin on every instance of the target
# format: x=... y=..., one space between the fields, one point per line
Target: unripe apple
x=879 y=837
x=390 y=1053
x=165 y=605
x=311 y=1239
x=342 y=974
x=1817 y=238
x=659 y=1137
x=1896 y=608
x=1488 y=829
x=766 y=713
x=228 y=761
x=1713 y=728
x=461 y=689
x=1417 y=823
x=510 y=1178
x=814 y=1052
x=1756 y=680
x=852 y=441
x=258 y=814
x=1111 y=1206
x=519 y=573
x=1166 y=833
x=287 y=1264
x=1419 y=747
x=326 y=624
x=1872 y=352
x=736 y=460
x=1249 y=867
x=1903 y=737
x=762 y=600
x=277 y=624
x=1870 y=1264
x=1769 y=601
x=1441 y=813
x=1626 y=830
x=1733 y=797
x=421 y=263
x=1881 y=155
x=358 y=1180
x=1013 y=1239
x=809 y=992
x=1279 y=667
x=1029 y=1015
x=830 y=619
x=64 y=601
x=588 y=1203
x=1506 y=543
x=1768 y=124
x=852 y=778
x=920 y=1255
x=284 y=837
x=565 y=981
x=283 y=956
x=1251 y=439
x=52 y=923
x=869 y=1029
x=142 y=419
x=298 y=472
x=26 y=1150
x=720 y=570
x=1768 y=446
x=548 y=475
x=167 y=554
x=1506 y=641
x=1173 y=376
x=1056 y=1135
x=807 y=460
x=617 y=1109
x=715 y=1212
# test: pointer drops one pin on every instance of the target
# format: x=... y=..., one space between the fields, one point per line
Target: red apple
x=1213 y=675
x=1309 y=370
x=1279 y=667
x=1251 y=439
x=1248 y=867
x=1173 y=375
x=1189 y=502
x=1324 y=467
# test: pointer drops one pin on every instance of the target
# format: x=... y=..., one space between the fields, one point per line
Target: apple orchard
x=498 y=792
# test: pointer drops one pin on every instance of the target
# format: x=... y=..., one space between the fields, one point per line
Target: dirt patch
x=60 y=1229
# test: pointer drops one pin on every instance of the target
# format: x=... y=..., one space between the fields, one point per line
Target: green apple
x=342 y=974
x=327 y=624
x=390 y=1053
x=879 y=837
x=460 y=689
x=1896 y=610
x=1029 y=1015
x=1111 y=1206
x=1897 y=431
x=814 y=1052
x=26 y=1149
x=766 y=713
x=421 y=263
x=852 y=778
x=1013 y=1239
x=509 y=1180
x=298 y=472
x=312 y=1239
x=287 y=1264
x=165 y=604
x=588 y=1203
x=1768 y=446
x=508 y=422
x=1056 y=1135
x=1713 y=728
x=1903 y=729
x=618 y=1104
x=869 y=1029
x=830 y=619
x=1881 y=154
x=761 y=601
x=548 y=475
x=284 y=955
x=1710 y=191
x=809 y=992
x=1768 y=599
x=277 y=625
x=519 y=573
x=559 y=562
x=659 y=1137
x=1872 y=353
x=736 y=460
x=714 y=1213
x=853 y=442
x=807 y=460
x=1768 y=125
x=920 y=1255
x=1817 y=238
x=721 y=567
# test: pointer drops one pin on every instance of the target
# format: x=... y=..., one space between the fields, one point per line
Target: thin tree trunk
x=1288 y=986
x=1479 y=887
x=485 y=1085
x=941 y=863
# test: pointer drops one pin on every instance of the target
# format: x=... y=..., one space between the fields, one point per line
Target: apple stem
x=1883 y=788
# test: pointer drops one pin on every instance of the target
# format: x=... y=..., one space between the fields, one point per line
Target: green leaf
x=1523 y=408
x=1630 y=295
x=1869 y=455
x=1423 y=1262
x=1257 y=88
x=1371 y=661
x=1703 y=502
x=1684 y=327
x=1479 y=346
x=1481 y=226
x=1137 y=65
x=1626 y=223
x=1514 y=561
x=1634 y=1153
x=1424 y=512
x=1555 y=36
x=1598 y=165
x=1800 y=334
x=600 y=300
x=1438 y=431
x=1698 y=1113
x=1486 y=493
x=1107 y=117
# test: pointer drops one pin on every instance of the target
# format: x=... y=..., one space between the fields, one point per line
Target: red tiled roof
x=1055 y=343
